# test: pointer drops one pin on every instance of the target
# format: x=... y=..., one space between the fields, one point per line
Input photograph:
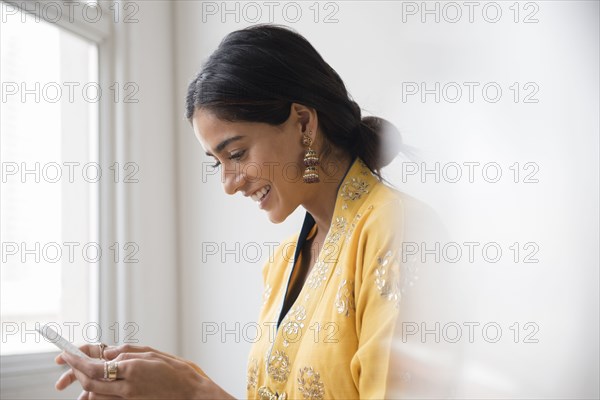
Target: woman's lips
x=260 y=194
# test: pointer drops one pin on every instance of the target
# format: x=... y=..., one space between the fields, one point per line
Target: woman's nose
x=232 y=177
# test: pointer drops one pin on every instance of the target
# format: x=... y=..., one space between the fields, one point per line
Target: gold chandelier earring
x=311 y=161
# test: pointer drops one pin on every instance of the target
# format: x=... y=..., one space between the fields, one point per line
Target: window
x=49 y=208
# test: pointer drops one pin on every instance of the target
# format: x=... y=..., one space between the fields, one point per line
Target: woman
x=265 y=98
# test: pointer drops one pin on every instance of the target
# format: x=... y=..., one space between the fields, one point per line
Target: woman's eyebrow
x=224 y=144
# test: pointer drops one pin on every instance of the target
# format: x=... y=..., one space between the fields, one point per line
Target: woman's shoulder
x=390 y=209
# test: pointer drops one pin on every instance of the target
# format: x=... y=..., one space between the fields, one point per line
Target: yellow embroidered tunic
x=334 y=342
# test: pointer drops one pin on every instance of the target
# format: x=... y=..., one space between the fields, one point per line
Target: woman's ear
x=306 y=117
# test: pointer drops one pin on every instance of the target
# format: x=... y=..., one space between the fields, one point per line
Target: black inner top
x=294 y=291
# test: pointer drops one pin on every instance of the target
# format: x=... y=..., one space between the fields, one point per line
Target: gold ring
x=101 y=347
x=110 y=370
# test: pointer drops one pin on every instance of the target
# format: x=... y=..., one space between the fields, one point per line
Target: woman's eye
x=216 y=164
x=234 y=156
x=237 y=156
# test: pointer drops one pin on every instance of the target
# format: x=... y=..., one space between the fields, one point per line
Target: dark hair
x=257 y=73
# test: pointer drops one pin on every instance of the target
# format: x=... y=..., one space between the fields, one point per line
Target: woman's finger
x=92 y=350
x=90 y=374
x=65 y=380
x=114 y=351
x=91 y=368
x=134 y=373
x=98 y=396
x=95 y=369
x=100 y=387
x=111 y=353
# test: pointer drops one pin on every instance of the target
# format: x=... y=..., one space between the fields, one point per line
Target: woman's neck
x=322 y=196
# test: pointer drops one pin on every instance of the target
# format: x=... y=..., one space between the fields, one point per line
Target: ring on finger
x=101 y=347
x=111 y=370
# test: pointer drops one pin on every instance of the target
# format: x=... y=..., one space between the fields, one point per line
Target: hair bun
x=381 y=142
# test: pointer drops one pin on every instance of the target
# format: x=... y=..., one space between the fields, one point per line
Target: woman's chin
x=276 y=218
x=277 y=215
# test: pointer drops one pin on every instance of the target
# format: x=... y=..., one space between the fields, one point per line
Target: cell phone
x=53 y=337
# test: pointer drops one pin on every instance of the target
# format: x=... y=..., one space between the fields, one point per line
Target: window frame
x=23 y=374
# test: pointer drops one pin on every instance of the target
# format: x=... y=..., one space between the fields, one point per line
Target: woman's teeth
x=260 y=194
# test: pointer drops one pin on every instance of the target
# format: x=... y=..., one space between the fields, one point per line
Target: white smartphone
x=53 y=337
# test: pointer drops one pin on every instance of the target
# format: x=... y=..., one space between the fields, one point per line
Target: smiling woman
x=264 y=104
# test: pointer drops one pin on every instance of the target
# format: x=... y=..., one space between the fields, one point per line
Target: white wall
x=150 y=213
x=375 y=51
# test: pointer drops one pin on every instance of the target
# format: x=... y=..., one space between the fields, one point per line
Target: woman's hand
x=142 y=373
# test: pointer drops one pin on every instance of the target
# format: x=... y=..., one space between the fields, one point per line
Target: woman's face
x=262 y=161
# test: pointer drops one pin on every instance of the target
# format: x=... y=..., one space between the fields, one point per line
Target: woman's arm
x=142 y=373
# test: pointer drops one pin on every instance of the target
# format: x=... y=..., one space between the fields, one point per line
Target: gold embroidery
x=340 y=223
x=338 y=228
x=352 y=226
x=364 y=168
x=409 y=275
x=264 y=393
x=292 y=324
x=252 y=373
x=354 y=188
x=310 y=384
x=344 y=300
x=279 y=366
x=387 y=280
x=318 y=275
x=329 y=250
